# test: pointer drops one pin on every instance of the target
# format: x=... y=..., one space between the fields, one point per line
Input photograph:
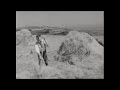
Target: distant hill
x=28 y=27
x=94 y=31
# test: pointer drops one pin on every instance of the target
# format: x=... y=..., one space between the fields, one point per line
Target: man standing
x=41 y=46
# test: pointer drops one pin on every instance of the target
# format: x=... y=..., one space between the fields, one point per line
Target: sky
x=59 y=18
